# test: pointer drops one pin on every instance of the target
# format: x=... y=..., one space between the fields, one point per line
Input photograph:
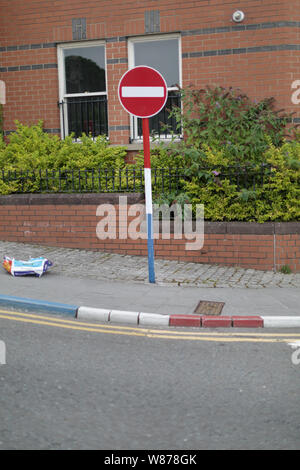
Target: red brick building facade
x=62 y=60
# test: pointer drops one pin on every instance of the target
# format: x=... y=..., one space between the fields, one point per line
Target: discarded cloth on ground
x=34 y=266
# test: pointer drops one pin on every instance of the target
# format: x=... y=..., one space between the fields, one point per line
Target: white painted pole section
x=148 y=190
x=142 y=92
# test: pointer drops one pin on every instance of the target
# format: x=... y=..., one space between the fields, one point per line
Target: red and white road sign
x=143 y=91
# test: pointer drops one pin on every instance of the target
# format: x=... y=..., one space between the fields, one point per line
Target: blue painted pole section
x=150 y=249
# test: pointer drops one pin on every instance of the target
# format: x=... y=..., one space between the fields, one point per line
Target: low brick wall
x=71 y=220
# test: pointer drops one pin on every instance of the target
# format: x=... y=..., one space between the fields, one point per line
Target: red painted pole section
x=146 y=142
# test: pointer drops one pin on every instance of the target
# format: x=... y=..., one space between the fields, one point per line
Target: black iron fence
x=162 y=125
x=127 y=179
x=89 y=115
x=247 y=177
x=91 y=180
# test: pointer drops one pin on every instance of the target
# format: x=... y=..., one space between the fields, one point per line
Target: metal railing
x=84 y=115
x=91 y=180
x=128 y=179
x=247 y=177
x=89 y=115
x=162 y=125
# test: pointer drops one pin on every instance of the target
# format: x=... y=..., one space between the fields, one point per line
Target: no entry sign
x=143 y=91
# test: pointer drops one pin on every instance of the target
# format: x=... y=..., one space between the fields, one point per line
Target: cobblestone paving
x=107 y=266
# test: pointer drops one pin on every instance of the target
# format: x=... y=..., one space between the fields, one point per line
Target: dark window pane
x=85 y=69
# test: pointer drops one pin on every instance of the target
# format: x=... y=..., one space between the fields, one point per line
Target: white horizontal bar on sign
x=142 y=92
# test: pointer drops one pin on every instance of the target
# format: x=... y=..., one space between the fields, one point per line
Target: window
x=82 y=87
x=163 y=54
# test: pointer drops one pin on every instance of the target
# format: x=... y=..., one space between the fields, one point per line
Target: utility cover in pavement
x=208 y=307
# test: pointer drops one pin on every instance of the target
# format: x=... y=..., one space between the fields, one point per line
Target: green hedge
x=205 y=173
x=274 y=197
x=229 y=136
x=31 y=150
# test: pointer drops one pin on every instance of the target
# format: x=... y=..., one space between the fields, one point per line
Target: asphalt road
x=122 y=388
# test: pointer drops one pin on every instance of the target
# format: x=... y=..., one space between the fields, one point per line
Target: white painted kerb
x=122 y=316
x=152 y=319
x=89 y=313
x=281 y=322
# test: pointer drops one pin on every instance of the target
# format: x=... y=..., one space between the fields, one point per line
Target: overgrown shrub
x=32 y=148
x=236 y=158
x=39 y=159
x=254 y=176
x=228 y=119
x=265 y=192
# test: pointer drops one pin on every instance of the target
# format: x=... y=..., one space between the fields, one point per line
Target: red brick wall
x=259 y=55
x=71 y=221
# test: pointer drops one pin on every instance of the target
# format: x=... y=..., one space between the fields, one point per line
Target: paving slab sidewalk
x=112 y=281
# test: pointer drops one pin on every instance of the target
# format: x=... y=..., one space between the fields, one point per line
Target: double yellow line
x=175 y=334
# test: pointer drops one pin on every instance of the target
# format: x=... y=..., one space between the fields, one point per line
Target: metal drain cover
x=208 y=307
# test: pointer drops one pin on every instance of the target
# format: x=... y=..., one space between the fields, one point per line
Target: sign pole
x=143 y=92
x=148 y=198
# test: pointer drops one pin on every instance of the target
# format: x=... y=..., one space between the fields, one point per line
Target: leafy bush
x=37 y=158
x=31 y=148
x=253 y=177
x=227 y=119
x=244 y=193
x=236 y=159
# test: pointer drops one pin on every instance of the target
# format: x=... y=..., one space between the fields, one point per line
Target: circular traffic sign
x=143 y=91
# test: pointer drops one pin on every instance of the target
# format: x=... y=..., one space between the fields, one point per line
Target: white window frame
x=154 y=38
x=62 y=78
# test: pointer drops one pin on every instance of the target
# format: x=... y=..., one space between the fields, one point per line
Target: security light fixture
x=238 y=16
